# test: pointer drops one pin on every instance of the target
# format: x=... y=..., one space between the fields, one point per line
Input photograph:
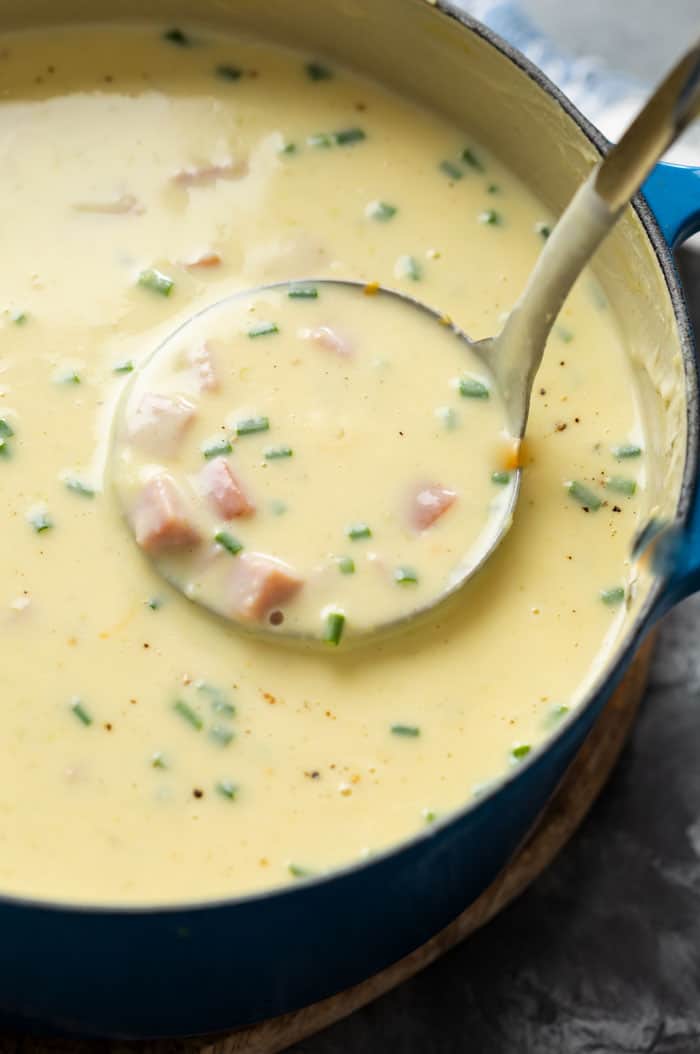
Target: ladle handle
x=593 y=211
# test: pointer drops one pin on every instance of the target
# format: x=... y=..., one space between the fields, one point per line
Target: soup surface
x=150 y=752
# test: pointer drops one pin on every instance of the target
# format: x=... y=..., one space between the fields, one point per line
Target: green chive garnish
x=316 y=72
x=6 y=429
x=251 y=425
x=4 y=447
x=612 y=596
x=409 y=731
x=303 y=292
x=227 y=789
x=407 y=267
x=219 y=702
x=543 y=229
x=583 y=495
x=448 y=416
x=263 y=329
x=19 y=317
x=287 y=149
x=349 y=135
x=218 y=449
x=471 y=159
x=493 y=188
x=405 y=576
x=229 y=73
x=626 y=450
x=356 y=531
x=500 y=477
x=69 y=377
x=154 y=603
x=621 y=485
x=299 y=872
x=556 y=713
x=80 y=712
x=158 y=760
x=221 y=735
x=471 y=388
x=156 y=281
x=491 y=217
x=124 y=367
x=380 y=210
x=188 y=714
x=521 y=751
x=451 y=169
x=275 y=453
x=565 y=335
x=346 y=565
x=335 y=624
x=41 y=521
x=429 y=815
x=177 y=36
x=320 y=139
x=228 y=542
x=78 y=487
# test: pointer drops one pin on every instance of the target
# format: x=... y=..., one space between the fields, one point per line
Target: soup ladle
x=511 y=359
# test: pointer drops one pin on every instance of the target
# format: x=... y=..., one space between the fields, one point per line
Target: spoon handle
x=595 y=208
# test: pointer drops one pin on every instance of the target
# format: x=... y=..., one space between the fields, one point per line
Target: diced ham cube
x=207 y=258
x=206 y=175
x=159 y=517
x=160 y=422
x=429 y=503
x=202 y=358
x=329 y=339
x=259 y=583
x=224 y=491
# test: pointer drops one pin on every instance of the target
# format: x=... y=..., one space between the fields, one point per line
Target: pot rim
x=627 y=644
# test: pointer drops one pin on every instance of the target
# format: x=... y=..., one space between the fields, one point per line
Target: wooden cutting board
x=563 y=814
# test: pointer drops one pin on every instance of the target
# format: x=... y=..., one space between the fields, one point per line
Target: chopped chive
x=251 y=425
x=407 y=267
x=6 y=429
x=429 y=815
x=409 y=731
x=41 y=521
x=349 y=135
x=229 y=73
x=356 y=531
x=380 y=210
x=451 y=169
x=80 y=712
x=219 y=702
x=556 y=713
x=228 y=542
x=4 y=447
x=471 y=159
x=335 y=624
x=287 y=149
x=521 y=751
x=227 y=789
x=188 y=714
x=320 y=139
x=124 y=367
x=218 y=449
x=405 y=576
x=491 y=217
x=583 y=495
x=493 y=188
x=299 y=872
x=621 y=485
x=625 y=451
x=78 y=487
x=275 y=453
x=177 y=36
x=277 y=507
x=158 y=760
x=156 y=281
x=19 y=317
x=500 y=477
x=221 y=735
x=612 y=596
x=471 y=388
x=565 y=335
x=154 y=603
x=346 y=565
x=448 y=416
x=543 y=229
x=263 y=329
x=302 y=292
x=316 y=72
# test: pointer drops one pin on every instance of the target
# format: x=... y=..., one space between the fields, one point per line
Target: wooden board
x=563 y=814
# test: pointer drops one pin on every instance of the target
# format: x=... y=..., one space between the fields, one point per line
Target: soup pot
x=202 y=967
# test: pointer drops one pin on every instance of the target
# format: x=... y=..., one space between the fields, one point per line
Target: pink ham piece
x=159 y=517
x=259 y=583
x=202 y=359
x=207 y=259
x=328 y=339
x=159 y=423
x=206 y=175
x=429 y=503
x=224 y=491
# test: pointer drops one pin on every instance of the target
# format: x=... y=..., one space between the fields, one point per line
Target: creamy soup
x=150 y=751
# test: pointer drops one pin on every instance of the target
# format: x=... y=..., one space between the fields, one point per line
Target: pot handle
x=673 y=194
